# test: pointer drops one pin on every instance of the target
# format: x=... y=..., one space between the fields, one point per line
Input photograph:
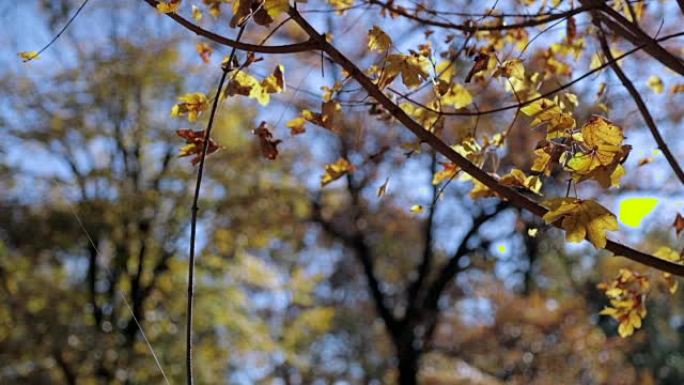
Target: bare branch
x=472 y=27
x=280 y=49
x=643 y=109
x=635 y=35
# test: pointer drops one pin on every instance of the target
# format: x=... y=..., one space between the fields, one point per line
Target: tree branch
x=540 y=97
x=642 y=108
x=416 y=286
x=362 y=251
x=470 y=27
x=635 y=35
x=195 y=209
x=236 y=44
x=452 y=267
x=438 y=145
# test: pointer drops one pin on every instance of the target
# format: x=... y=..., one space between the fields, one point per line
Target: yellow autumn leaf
x=668 y=254
x=542 y=161
x=517 y=178
x=457 y=96
x=413 y=69
x=196 y=13
x=168 y=6
x=341 y=5
x=416 y=209
x=378 y=40
x=480 y=190
x=275 y=7
x=335 y=171
x=445 y=70
x=448 y=172
x=28 y=55
x=603 y=142
x=512 y=69
x=296 y=125
x=603 y=135
x=191 y=104
x=656 y=84
x=549 y=114
x=581 y=219
x=275 y=83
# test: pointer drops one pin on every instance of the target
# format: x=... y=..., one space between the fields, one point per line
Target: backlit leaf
x=581 y=219
x=378 y=40
x=335 y=171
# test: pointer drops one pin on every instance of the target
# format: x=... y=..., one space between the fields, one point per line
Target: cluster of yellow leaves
x=627 y=294
x=601 y=153
x=192 y=104
x=261 y=11
x=335 y=171
x=455 y=95
x=552 y=115
x=515 y=179
x=668 y=254
x=497 y=40
x=325 y=118
x=168 y=6
x=595 y=152
x=413 y=68
x=581 y=219
x=214 y=7
x=242 y=83
x=511 y=69
x=426 y=117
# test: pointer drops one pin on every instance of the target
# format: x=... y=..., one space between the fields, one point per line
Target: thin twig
x=645 y=113
x=195 y=209
x=61 y=31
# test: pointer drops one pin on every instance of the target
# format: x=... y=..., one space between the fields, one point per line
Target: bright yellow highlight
x=501 y=249
x=634 y=210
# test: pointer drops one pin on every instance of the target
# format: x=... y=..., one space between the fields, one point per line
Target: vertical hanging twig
x=227 y=66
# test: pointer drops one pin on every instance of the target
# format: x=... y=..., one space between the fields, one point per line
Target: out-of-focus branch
x=451 y=268
x=425 y=265
x=358 y=244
